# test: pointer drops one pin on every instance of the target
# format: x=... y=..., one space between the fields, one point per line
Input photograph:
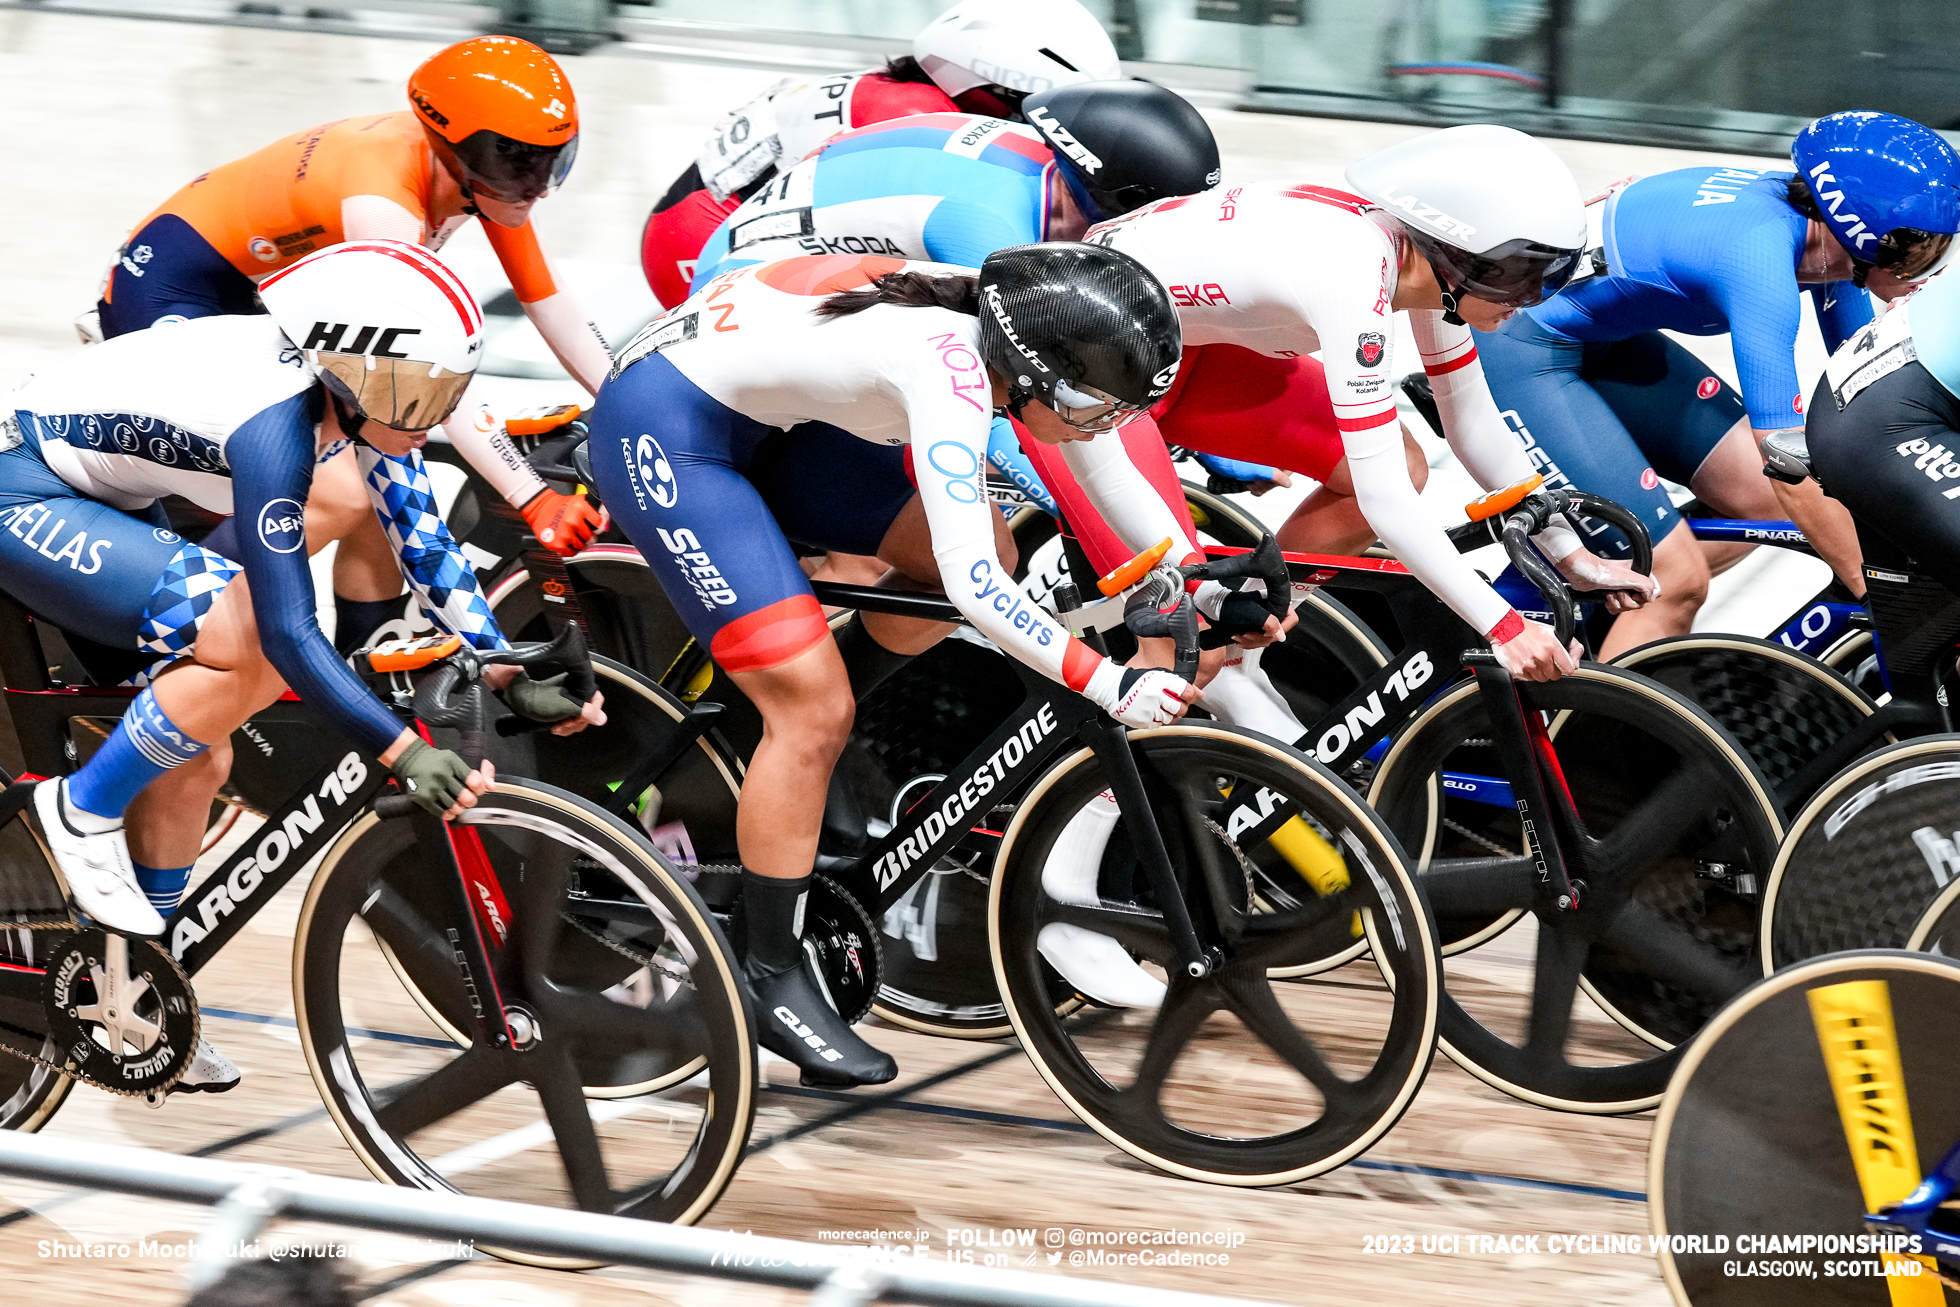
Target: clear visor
x=1085 y=408
x=1517 y=274
x=1910 y=254
x=514 y=172
x=405 y=394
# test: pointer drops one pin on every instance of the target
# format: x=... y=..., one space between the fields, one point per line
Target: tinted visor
x=1085 y=408
x=405 y=394
x=1909 y=253
x=1517 y=274
x=512 y=171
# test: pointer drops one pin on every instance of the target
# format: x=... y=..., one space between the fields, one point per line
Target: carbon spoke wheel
x=1870 y=857
x=1240 y=1077
x=1783 y=708
x=1671 y=819
x=603 y=957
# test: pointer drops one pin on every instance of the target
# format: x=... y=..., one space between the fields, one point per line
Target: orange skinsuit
x=305 y=191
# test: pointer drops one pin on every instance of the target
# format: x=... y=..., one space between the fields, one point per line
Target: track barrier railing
x=247 y=1198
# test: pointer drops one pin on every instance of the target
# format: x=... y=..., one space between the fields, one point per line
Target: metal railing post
x=238 y=1219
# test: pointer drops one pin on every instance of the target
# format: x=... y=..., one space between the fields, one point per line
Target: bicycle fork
x=1529 y=761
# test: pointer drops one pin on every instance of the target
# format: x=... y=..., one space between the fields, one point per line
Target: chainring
x=159 y=1016
x=840 y=937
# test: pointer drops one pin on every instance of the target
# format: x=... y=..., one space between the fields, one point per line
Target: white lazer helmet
x=1023 y=46
x=393 y=332
x=1497 y=214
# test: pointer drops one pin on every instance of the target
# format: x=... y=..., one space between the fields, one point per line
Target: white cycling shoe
x=1095 y=964
x=95 y=864
x=210 y=1072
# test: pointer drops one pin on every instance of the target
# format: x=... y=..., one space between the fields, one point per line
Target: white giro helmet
x=1496 y=212
x=1024 y=46
x=393 y=332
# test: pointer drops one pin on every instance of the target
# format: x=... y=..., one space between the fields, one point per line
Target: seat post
x=23 y=665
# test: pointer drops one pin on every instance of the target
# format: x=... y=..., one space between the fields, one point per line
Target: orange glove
x=563 y=524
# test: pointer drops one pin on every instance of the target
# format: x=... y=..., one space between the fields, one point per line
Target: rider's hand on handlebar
x=563 y=524
x=545 y=700
x=1625 y=588
x=439 y=780
x=1140 y=696
x=1533 y=654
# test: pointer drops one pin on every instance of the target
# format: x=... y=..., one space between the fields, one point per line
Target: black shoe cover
x=795 y=1022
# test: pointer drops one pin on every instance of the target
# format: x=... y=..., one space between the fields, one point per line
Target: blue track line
x=1029 y=1122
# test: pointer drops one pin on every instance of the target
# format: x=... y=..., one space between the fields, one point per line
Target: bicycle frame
x=304 y=825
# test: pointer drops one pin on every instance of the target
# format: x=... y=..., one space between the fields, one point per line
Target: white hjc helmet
x=1025 y=46
x=393 y=332
x=1498 y=215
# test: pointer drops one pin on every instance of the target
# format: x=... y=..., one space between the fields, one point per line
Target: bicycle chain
x=651 y=961
x=1474 y=837
x=1246 y=868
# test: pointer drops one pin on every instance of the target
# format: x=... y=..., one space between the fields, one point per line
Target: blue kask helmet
x=1887 y=188
x=1935 y=310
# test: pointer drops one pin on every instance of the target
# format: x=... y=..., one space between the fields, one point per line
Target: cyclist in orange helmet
x=493 y=129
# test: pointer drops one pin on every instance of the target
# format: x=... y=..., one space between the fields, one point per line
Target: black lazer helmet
x=1086 y=330
x=1123 y=144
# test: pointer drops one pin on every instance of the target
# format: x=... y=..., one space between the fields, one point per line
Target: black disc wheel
x=1668 y=822
x=1824 y=1077
x=1869 y=855
x=602 y=956
x=1783 y=708
x=1322 y=1067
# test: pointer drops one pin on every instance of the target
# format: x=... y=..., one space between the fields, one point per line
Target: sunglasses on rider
x=1085 y=408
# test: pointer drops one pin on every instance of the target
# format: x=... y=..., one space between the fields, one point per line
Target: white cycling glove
x=1136 y=696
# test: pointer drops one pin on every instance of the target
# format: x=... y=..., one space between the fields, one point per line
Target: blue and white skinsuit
x=225 y=412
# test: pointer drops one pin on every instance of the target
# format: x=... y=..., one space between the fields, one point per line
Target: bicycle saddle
x=581 y=459
x=1786 y=456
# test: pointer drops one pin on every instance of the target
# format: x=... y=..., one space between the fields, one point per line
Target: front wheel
x=1676 y=832
x=1321 y=1068
x=602 y=953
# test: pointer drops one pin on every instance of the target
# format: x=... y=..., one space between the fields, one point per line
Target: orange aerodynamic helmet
x=500 y=115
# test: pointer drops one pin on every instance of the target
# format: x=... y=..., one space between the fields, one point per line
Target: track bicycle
x=537 y=943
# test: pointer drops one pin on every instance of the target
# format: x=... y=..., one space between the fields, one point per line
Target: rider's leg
x=1682 y=569
x=1329 y=520
x=727 y=566
x=1731 y=482
x=1691 y=427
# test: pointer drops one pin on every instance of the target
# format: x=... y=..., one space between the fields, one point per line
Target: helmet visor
x=1910 y=254
x=405 y=394
x=1517 y=274
x=1085 y=408
x=512 y=171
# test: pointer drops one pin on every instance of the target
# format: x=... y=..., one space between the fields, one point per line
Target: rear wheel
x=603 y=956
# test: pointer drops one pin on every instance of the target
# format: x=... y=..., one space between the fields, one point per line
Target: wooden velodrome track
x=969 y=1143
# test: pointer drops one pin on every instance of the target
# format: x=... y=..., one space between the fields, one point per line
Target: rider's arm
x=1478 y=435
x=1127 y=502
x=271 y=458
x=430 y=558
x=1763 y=321
x=559 y=318
x=949 y=455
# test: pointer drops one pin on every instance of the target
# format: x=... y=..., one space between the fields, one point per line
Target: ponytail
x=908 y=290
